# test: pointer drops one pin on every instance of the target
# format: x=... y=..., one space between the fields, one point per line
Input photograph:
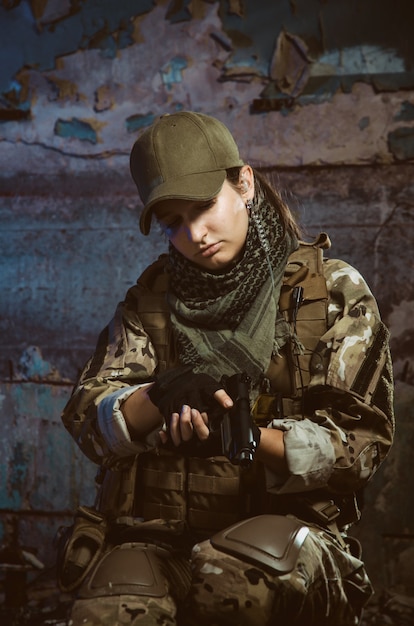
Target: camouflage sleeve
x=124 y=357
x=349 y=420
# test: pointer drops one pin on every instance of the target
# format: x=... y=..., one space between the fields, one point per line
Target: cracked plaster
x=170 y=65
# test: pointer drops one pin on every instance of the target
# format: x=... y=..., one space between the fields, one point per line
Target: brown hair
x=272 y=195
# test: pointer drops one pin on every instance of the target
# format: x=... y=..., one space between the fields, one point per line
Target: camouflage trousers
x=328 y=587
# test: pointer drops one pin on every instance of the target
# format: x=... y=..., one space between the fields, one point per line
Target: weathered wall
x=321 y=94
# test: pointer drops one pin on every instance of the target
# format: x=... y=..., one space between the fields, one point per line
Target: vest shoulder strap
x=305 y=269
x=308 y=315
x=152 y=309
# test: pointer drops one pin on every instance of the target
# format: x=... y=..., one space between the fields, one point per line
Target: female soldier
x=236 y=403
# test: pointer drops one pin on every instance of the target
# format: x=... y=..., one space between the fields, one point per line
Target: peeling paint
x=359 y=59
x=406 y=113
x=48 y=12
x=237 y=7
x=290 y=65
x=172 y=72
x=32 y=366
x=17 y=100
x=52 y=30
x=364 y=122
x=64 y=89
x=401 y=143
x=35 y=452
x=179 y=11
x=137 y=122
x=76 y=129
x=401 y=318
x=271 y=59
x=96 y=24
x=17 y=480
x=103 y=99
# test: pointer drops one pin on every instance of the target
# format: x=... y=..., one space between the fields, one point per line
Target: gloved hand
x=180 y=385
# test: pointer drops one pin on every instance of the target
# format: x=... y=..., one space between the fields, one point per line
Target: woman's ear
x=247 y=182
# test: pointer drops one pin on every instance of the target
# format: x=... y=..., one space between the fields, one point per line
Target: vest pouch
x=116 y=495
x=265 y=408
x=161 y=486
x=272 y=542
x=214 y=493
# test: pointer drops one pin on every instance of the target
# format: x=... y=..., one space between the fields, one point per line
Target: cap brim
x=200 y=186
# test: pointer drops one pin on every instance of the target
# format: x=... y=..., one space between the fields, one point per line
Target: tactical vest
x=210 y=494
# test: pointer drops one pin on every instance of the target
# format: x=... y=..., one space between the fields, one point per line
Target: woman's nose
x=196 y=230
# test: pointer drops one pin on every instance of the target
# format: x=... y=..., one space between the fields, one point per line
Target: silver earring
x=249 y=206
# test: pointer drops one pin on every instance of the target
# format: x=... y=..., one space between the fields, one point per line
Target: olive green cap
x=183 y=156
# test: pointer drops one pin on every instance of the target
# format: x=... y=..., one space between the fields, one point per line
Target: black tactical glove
x=180 y=385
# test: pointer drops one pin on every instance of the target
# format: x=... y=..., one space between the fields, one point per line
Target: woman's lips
x=208 y=251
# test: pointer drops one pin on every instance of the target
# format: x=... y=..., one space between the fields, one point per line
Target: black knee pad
x=128 y=569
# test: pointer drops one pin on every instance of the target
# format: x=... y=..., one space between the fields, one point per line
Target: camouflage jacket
x=336 y=444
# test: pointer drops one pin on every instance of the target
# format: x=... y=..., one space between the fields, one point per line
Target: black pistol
x=237 y=428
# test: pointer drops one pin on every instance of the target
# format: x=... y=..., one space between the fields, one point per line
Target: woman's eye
x=206 y=205
x=169 y=227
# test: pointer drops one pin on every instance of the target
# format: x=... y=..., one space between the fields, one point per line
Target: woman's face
x=211 y=234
